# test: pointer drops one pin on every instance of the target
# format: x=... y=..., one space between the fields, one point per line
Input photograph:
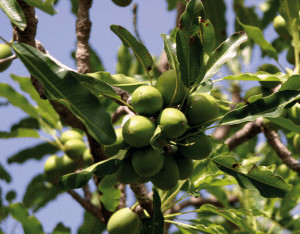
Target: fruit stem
x=134 y=205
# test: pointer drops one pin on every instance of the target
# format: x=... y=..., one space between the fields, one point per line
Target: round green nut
x=69 y=135
x=138 y=130
x=280 y=27
x=146 y=100
x=51 y=168
x=172 y=92
x=87 y=157
x=126 y=174
x=294 y=113
x=272 y=69
x=296 y=143
x=167 y=178
x=147 y=161
x=173 y=122
x=123 y=221
x=5 y=52
x=202 y=107
x=75 y=148
x=122 y=3
x=196 y=147
x=68 y=165
x=185 y=166
x=113 y=149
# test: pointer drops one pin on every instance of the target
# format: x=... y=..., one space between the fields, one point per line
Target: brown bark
x=143 y=197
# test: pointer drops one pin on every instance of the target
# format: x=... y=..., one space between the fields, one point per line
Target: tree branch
x=143 y=197
x=122 y=203
x=10 y=58
x=120 y=111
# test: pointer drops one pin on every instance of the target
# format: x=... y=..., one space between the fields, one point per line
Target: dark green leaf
x=36 y=152
x=207 y=35
x=10 y=196
x=271 y=106
x=14 y=12
x=91 y=225
x=269 y=9
x=4 y=175
x=61 y=229
x=20 y=132
x=27 y=122
x=46 y=6
x=289 y=9
x=250 y=176
x=39 y=193
x=286 y=123
x=74 y=6
x=64 y=86
x=139 y=50
x=171 y=4
x=95 y=61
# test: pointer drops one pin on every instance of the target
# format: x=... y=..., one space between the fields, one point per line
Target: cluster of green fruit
x=77 y=155
x=181 y=140
x=122 y=3
x=5 y=52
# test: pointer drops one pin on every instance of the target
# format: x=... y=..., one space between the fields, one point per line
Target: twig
x=87 y=192
x=10 y=58
x=284 y=154
x=143 y=197
x=120 y=111
x=136 y=31
x=221 y=132
x=122 y=203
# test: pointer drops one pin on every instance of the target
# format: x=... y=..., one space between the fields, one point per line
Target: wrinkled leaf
x=44 y=5
x=4 y=175
x=14 y=12
x=20 y=132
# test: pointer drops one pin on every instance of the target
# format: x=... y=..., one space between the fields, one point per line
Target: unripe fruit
x=202 y=107
x=122 y=3
x=5 y=51
x=294 y=113
x=75 y=148
x=173 y=121
x=138 y=131
x=280 y=27
x=126 y=174
x=69 y=135
x=123 y=221
x=50 y=168
x=113 y=149
x=87 y=158
x=256 y=90
x=185 y=167
x=272 y=69
x=146 y=100
x=296 y=143
x=68 y=165
x=147 y=161
x=167 y=178
x=196 y=147
x=172 y=92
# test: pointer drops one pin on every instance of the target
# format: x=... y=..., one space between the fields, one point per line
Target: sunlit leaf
x=20 y=132
x=293 y=83
x=14 y=12
x=286 y=123
x=44 y=5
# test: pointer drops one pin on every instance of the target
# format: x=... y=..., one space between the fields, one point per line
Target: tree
x=164 y=121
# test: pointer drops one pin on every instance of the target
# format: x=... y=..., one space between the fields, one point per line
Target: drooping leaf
x=39 y=193
x=4 y=175
x=257 y=36
x=270 y=106
x=61 y=229
x=79 y=179
x=44 y=5
x=64 y=86
x=27 y=122
x=20 y=132
x=251 y=176
x=91 y=225
x=139 y=50
x=30 y=223
x=110 y=194
x=36 y=152
x=14 y=12
x=223 y=53
x=188 y=44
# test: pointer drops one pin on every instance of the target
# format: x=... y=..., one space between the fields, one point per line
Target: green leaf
x=27 y=122
x=208 y=227
x=17 y=99
x=157 y=139
x=91 y=225
x=257 y=36
x=4 y=175
x=223 y=53
x=36 y=152
x=250 y=176
x=271 y=106
x=64 y=86
x=110 y=194
x=46 y=5
x=269 y=9
x=293 y=83
x=289 y=9
x=124 y=60
x=207 y=35
x=39 y=193
x=171 y=4
x=14 y=12
x=139 y=50
x=79 y=179
x=30 y=223
x=188 y=44
x=10 y=196
x=20 y=132
x=61 y=229
x=286 y=123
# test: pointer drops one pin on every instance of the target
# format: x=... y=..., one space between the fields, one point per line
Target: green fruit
x=172 y=93
x=143 y=180
x=294 y=113
x=147 y=161
x=296 y=143
x=146 y=100
x=185 y=167
x=51 y=168
x=87 y=158
x=113 y=149
x=138 y=130
x=75 y=148
x=256 y=90
x=280 y=27
x=68 y=165
x=122 y=3
x=5 y=51
x=167 y=178
x=202 y=107
x=272 y=69
x=126 y=174
x=196 y=147
x=123 y=221
x=69 y=135
x=173 y=122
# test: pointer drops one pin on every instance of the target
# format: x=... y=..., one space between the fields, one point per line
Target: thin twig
x=122 y=203
x=120 y=111
x=143 y=197
x=10 y=58
x=136 y=31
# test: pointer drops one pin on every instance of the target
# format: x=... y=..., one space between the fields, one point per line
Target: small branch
x=221 y=132
x=136 y=31
x=249 y=131
x=284 y=154
x=120 y=111
x=87 y=193
x=83 y=29
x=122 y=203
x=143 y=197
x=86 y=204
x=10 y=58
